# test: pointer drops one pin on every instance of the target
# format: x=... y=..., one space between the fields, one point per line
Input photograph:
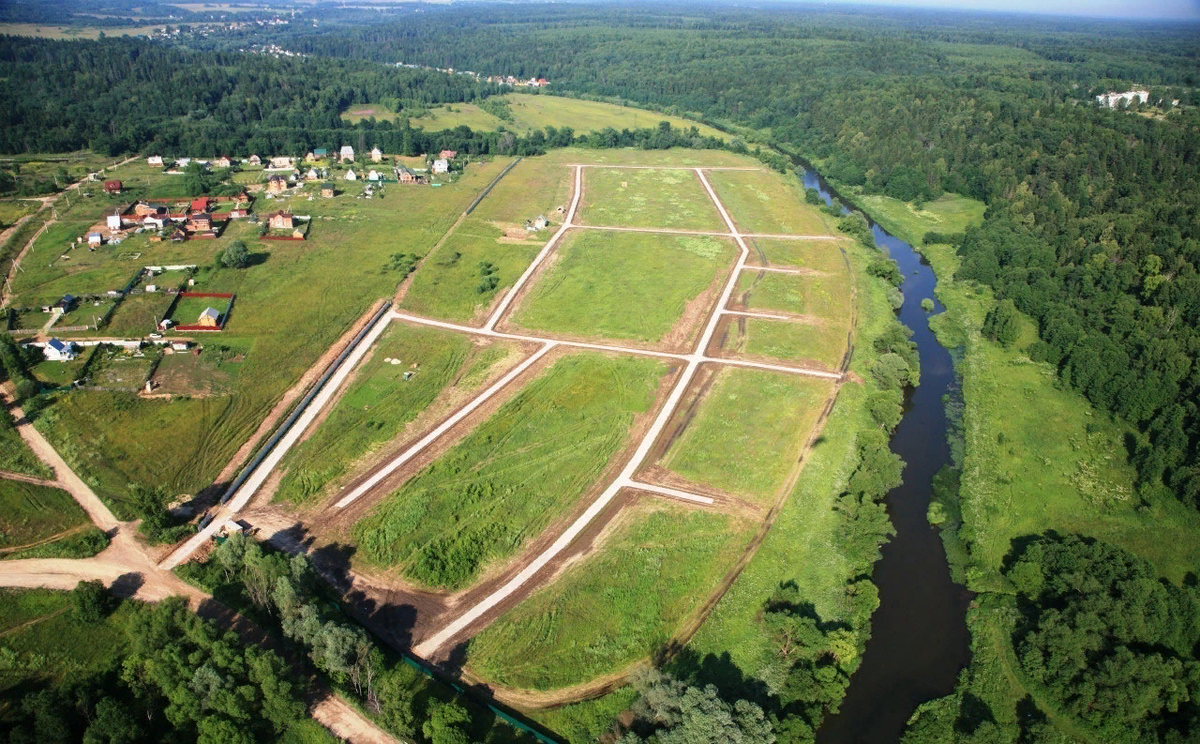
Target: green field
x=617 y=606
x=139 y=315
x=12 y=210
x=769 y=202
x=816 y=255
x=15 y=455
x=380 y=404
x=620 y=285
x=748 y=431
x=31 y=514
x=647 y=198
x=949 y=213
x=448 y=283
x=292 y=304
x=515 y=473
x=821 y=342
x=819 y=296
x=531 y=112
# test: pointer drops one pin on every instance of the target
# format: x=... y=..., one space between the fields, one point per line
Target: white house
x=351 y=175
x=312 y=175
x=347 y=153
x=60 y=351
x=114 y=221
x=373 y=176
x=95 y=238
x=155 y=160
x=281 y=162
x=376 y=155
x=441 y=165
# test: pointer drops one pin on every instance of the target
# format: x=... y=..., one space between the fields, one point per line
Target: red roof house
x=112 y=187
x=447 y=154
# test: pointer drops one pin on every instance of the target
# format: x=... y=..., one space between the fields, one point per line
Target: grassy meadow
x=514 y=474
x=31 y=514
x=768 y=202
x=820 y=342
x=451 y=283
x=293 y=303
x=821 y=256
x=379 y=404
x=531 y=112
x=618 y=285
x=647 y=198
x=748 y=431
x=616 y=606
x=15 y=455
x=826 y=296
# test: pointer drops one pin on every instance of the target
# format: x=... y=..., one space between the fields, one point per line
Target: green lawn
x=139 y=315
x=29 y=513
x=647 y=198
x=531 y=112
x=825 y=296
x=818 y=255
x=514 y=474
x=617 y=606
x=821 y=342
x=748 y=431
x=769 y=202
x=623 y=285
x=15 y=455
x=449 y=284
x=380 y=404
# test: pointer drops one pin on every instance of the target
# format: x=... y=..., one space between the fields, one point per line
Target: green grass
x=617 y=606
x=15 y=455
x=59 y=373
x=818 y=255
x=647 y=198
x=769 y=202
x=622 y=285
x=825 y=296
x=380 y=404
x=821 y=343
x=306 y=732
x=531 y=112
x=514 y=474
x=30 y=513
x=447 y=285
x=676 y=156
x=139 y=315
x=949 y=213
x=749 y=431
x=12 y=210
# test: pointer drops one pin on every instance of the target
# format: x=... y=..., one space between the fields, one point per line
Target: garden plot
x=642 y=287
x=769 y=202
x=648 y=198
x=211 y=372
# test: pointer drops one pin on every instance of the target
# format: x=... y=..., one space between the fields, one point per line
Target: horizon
x=1157 y=10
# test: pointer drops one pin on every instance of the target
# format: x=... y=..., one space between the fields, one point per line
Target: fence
x=280 y=237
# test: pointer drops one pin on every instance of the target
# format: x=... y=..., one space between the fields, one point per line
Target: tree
x=236 y=256
x=446 y=723
x=682 y=714
x=90 y=601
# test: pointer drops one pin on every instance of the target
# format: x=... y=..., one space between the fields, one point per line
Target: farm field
x=632 y=286
x=31 y=514
x=748 y=431
x=647 y=198
x=379 y=404
x=821 y=256
x=452 y=283
x=617 y=605
x=292 y=305
x=769 y=202
x=819 y=296
x=821 y=342
x=531 y=112
x=512 y=475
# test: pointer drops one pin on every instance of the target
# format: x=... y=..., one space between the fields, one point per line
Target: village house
x=448 y=154
x=237 y=214
x=65 y=305
x=200 y=204
x=114 y=221
x=347 y=154
x=406 y=175
x=254 y=160
x=312 y=175
x=281 y=163
x=280 y=220
x=210 y=318
x=155 y=160
x=112 y=187
x=154 y=222
x=59 y=351
x=179 y=346
x=319 y=153
x=441 y=165
x=222 y=162
x=200 y=222
x=373 y=176
x=376 y=155
x=178 y=235
x=351 y=175
x=183 y=162
x=276 y=185
x=95 y=238
x=327 y=190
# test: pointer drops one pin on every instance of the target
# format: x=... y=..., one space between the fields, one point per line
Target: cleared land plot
x=512 y=475
x=769 y=202
x=825 y=296
x=636 y=286
x=748 y=432
x=138 y=315
x=15 y=455
x=647 y=197
x=30 y=514
x=815 y=255
x=616 y=606
x=531 y=112
x=453 y=282
x=211 y=372
x=815 y=341
x=380 y=404
x=188 y=309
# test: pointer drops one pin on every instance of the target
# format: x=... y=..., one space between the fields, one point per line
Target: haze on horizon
x=1184 y=10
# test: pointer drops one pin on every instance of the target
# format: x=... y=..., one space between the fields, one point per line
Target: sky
x=1160 y=9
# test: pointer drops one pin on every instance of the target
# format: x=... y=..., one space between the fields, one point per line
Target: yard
x=138 y=315
x=647 y=198
x=633 y=286
x=769 y=202
x=615 y=607
x=211 y=372
x=381 y=405
x=748 y=431
x=514 y=474
x=825 y=296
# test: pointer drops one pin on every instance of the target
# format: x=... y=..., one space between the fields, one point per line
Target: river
x=919 y=640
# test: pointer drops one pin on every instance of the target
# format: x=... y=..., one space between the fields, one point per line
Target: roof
x=320 y=151
x=211 y=312
x=327 y=185
x=113 y=182
x=200 y=204
x=276 y=178
x=58 y=346
x=94 y=235
x=280 y=213
x=347 y=149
